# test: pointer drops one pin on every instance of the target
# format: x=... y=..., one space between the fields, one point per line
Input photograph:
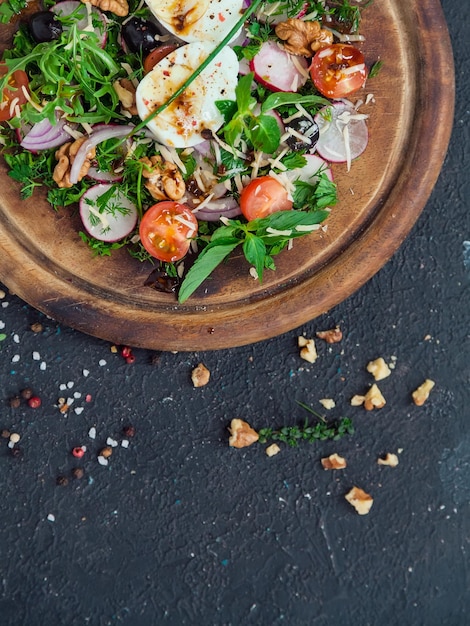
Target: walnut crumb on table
x=308 y=350
x=334 y=335
x=334 y=461
x=374 y=399
x=241 y=434
x=390 y=459
x=273 y=449
x=379 y=369
x=360 y=500
x=200 y=375
x=421 y=394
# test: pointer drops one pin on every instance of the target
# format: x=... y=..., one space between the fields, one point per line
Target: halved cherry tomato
x=263 y=196
x=13 y=91
x=338 y=70
x=166 y=230
x=156 y=56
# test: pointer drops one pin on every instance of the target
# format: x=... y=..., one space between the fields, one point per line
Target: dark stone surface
x=180 y=529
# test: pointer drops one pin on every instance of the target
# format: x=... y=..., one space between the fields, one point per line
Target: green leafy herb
x=101 y=248
x=375 y=69
x=10 y=8
x=321 y=431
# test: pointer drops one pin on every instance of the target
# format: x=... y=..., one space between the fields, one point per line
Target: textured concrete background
x=180 y=529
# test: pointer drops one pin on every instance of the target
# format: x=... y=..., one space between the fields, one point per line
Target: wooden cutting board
x=44 y=261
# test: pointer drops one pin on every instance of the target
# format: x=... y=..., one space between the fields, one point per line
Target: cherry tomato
x=338 y=70
x=16 y=82
x=263 y=196
x=156 y=56
x=166 y=230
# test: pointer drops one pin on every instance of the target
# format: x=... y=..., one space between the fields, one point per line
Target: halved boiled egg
x=180 y=125
x=197 y=20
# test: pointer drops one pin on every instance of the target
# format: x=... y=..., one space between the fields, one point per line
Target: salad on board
x=185 y=129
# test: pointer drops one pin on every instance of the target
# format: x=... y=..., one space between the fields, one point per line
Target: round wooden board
x=44 y=261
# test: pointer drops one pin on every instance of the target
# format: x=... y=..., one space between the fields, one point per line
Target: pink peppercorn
x=126 y=352
x=78 y=452
x=130 y=359
x=34 y=402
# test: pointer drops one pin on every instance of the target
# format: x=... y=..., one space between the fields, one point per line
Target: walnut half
x=118 y=7
x=241 y=434
x=65 y=156
x=164 y=180
x=303 y=38
x=360 y=500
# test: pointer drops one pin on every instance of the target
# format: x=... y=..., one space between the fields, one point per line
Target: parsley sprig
x=321 y=431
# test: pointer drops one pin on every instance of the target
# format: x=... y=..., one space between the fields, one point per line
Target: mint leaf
x=204 y=265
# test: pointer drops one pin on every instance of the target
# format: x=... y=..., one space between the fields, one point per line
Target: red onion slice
x=44 y=136
x=110 y=132
x=215 y=209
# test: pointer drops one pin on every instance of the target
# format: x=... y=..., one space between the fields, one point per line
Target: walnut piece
x=200 y=375
x=241 y=434
x=308 y=351
x=273 y=449
x=118 y=7
x=360 y=500
x=390 y=459
x=379 y=369
x=374 y=399
x=334 y=335
x=164 y=180
x=327 y=403
x=126 y=93
x=65 y=156
x=421 y=394
x=334 y=461
x=357 y=400
x=303 y=38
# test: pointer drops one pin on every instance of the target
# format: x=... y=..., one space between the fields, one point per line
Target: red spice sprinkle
x=221 y=17
x=34 y=402
x=126 y=351
x=130 y=359
x=88 y=397
x=166 y=73
x=78 y=452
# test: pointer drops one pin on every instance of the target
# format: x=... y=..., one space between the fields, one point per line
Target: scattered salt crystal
x=78 y=410
x=4 y=305
x=11 y=444
x=102 y=362
x=16 y=339
x=51 y=518
x=2 y=324
x=43 y=366
x=125 y=443
x=102 y=460
x=111 y=442
x=77 y=394
x=70 y=384
x=15 y=358
x=36 y=356
x=92 y=432
x=70 y=401
x=85 y=372
x=62 y=387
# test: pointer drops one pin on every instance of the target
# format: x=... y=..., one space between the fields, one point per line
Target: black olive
x=309 y=131
x=139 y=35
x=44 y=26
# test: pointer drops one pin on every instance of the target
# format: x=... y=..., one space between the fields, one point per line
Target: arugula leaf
x=10 y=8
x=206 y=262
x=375 y=69
x=279 y=99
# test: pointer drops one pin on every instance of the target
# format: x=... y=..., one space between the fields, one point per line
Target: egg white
x=181 y=123
x=197 y=20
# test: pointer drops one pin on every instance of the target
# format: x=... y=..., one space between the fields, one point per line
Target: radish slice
x=309 y=173
x=67 y=7
x=343 y=133
x=278 y=70
x=106 y=132
x=44 y=136
x=215 y=209
x=117 y=220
